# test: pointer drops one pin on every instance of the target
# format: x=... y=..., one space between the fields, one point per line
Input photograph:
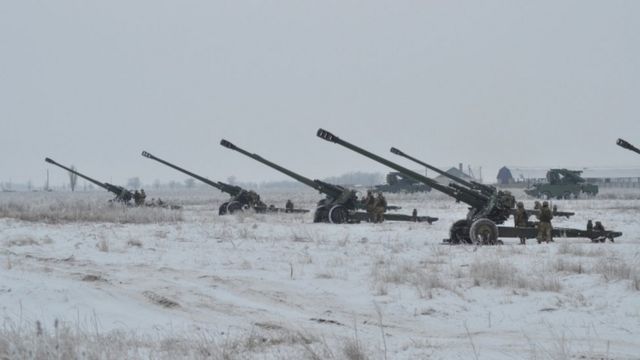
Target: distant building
x=504 y=176
x=457 y=172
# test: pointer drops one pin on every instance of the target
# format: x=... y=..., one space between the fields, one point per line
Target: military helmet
x=545 y=203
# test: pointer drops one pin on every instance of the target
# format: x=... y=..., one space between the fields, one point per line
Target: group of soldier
x=139 y=197
x=375 y=206
x=544 y=215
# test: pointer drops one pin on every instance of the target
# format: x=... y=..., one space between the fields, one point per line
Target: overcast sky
x=528 y=83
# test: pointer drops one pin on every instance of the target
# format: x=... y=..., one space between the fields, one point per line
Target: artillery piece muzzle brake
x=624 y=144
x=396 y=151
x=49 y=160
x=324 y=134
x=227 y=144
x=628 y=146
x=147 y=155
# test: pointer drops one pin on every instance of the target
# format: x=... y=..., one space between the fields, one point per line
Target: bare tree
x=73 y=178
x=189 y=183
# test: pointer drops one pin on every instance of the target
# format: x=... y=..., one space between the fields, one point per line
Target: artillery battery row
x=489 y=208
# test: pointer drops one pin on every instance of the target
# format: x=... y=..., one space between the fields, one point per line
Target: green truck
x=562 y=184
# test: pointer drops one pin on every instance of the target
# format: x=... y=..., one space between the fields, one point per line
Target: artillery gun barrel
x=218 y=185
x=430 y=167
x=627 y=146
x=102 y=185
x=472 y=201
x=488 y=190
x=259 y=158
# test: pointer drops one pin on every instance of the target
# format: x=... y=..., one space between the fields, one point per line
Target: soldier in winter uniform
x=370 y=204
x=380 y=207
x=544 y=227
x=521 y=219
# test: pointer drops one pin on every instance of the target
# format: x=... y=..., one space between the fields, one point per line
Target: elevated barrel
x=96 y=182
x=217 y=185
x=485 y=189
x=270 y=164
x=626 y=145
x=470 y=200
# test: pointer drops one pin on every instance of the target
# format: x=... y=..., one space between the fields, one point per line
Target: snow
x=568 y=299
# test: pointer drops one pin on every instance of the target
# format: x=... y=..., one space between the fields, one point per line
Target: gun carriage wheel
x=320 y=215
x=222 y=210
x=484 y=232
x=338 y=215
x=234 y=206
x=459 y=233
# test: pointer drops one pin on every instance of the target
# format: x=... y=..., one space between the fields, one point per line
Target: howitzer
x=627 y=146
x=122 y=195
x=340 y=204
x=241 y=199
x=486 y=211
x=487 y=190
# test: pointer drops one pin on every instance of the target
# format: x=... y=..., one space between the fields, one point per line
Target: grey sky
x=531 y=83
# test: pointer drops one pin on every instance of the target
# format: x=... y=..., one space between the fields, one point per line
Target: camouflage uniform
x=143 y=197
x=288 y=207
x=598 y=226
x=136 y=198
x=544 y=227
x=521 y=220
x=370 y=204
x=380 y=208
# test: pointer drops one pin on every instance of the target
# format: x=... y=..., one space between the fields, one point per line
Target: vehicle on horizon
x=398 y=183
x=562 y=184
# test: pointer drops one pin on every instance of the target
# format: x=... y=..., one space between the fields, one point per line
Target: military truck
x=562 y=184
x=396 y=183
x=489 y=207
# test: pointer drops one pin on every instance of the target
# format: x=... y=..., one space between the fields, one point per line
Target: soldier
x=143 y=197
x=536 y=205
x=380 y=207
x=521 y=220
x=589 y=225
x=288 y=207
x=136 y=198
x=370 y=203
x=414 y=215
x=544 y=227
x=598 y=226
x=254 y=198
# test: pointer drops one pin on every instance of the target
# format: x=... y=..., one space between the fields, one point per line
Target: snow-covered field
x=82 y=279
